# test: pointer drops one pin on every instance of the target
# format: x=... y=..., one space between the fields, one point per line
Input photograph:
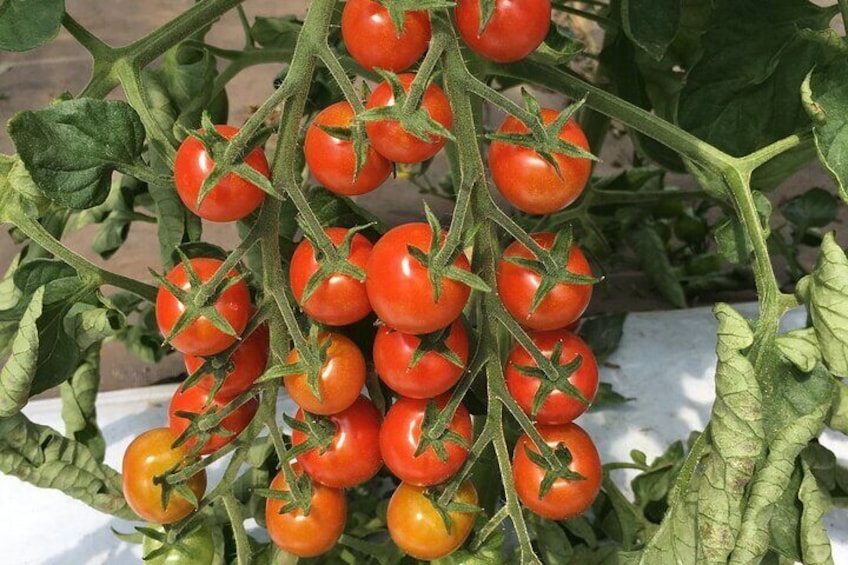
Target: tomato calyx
x=332 y=260
x=553 y=472
x=171 y=539
x=435 y=494
x=407 y=111
x=169 y=486
x=397 y=9
x=355 y=134
x=439 y=260
x=297 y=497
x=311 y=358
x=560 y=383
x=204 y=425
x=543 y=139
x=435 y=342
x=199 y=300
x=551 y=271
x=319 y=430
x=435 y=434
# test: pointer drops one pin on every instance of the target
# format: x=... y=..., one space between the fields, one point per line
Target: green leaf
x=603 y=334
x=825 y=95
x=606 y=397
x=653 y=258
x=652 y=487
x=18 y=194
x=554 y=545
x=786 y=520
x=652 y=25
x=78 y=411
x=18 y=373
x=42 y=457
x=815 y=208
x=278 y=33
x=828 y=308
x=490 y=553
x=815 y=543
x=26 y=24
x=839 y=411
x=801 y=348
x=737 y=436
x=742 y=94
x=71 y=148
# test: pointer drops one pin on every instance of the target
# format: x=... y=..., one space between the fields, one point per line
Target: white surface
x=666 y=362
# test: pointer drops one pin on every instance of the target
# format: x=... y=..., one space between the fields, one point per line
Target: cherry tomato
x=232 y=198
x=148 y=456
x=306 y=535
x=399 y=286
x=196 y=548
x=353 y=457
x=527 y=180
x=388 y=136
x=516 y=28
x=432 y=375
x=340 y=381
x=340 y=299
x=332 y=160
x=416 y=526
x=558 y=407
x=567 y=498
x=401 y=434
x=517 y=286
x=373 y=40
x=247 y=362
x=201 y=337
x=196 y=400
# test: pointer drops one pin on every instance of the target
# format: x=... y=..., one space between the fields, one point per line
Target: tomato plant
x=232 y=198
x=202 y=336
x=419 y=529
x=332 y=159
x=339 y=299
x=149 y=456
x=189 y=404
x=375 y=42
x=436 y=367
x=411 y=454
x=241 y=369
x=353 y=454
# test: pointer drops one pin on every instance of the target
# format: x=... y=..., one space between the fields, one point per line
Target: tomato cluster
x=421 y=349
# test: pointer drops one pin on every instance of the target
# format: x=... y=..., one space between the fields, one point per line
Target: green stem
x=843 y=9
x=93 y=44
x=236 y=515
x=339 y=74
x=760 y=157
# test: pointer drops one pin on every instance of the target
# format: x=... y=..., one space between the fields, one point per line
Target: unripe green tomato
x=689 y=229
x=200 y=548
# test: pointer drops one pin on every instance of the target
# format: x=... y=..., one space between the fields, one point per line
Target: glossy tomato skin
x=354 y=455
x=306 y=536
x=340 y=381
x=388 y=136
x=233 y=198
x=516 y=28
x=517 y=286
x=558 y=407
x=432 y=375
x=373 y=41
x=196 y=400
x=567 y=498
x=418 y=529
x=340 y=299
x=248 y=362
x=530 y=183
x=201 y=337
x=196 y=548
x=399 y=286
x=148 y=456
x=332 y=161
x=401 y=433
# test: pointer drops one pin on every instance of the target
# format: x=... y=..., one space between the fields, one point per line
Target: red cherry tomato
x=432 y=375
x=353 y=457
x=332 y=160
x=247 y=362
x=232 y=198
x=388 y=136
x=340 y=299
x=419 y=530
x=516 y=28
x=558 y=407
x=340 y=381
x=306 y=535
x=527 y=180
x=196 y=400
x=517 y=286
x=148 y=456
x=567 y=498
x=373 y=40
x=401 y=433
x=399 y=286
x=201 y=337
